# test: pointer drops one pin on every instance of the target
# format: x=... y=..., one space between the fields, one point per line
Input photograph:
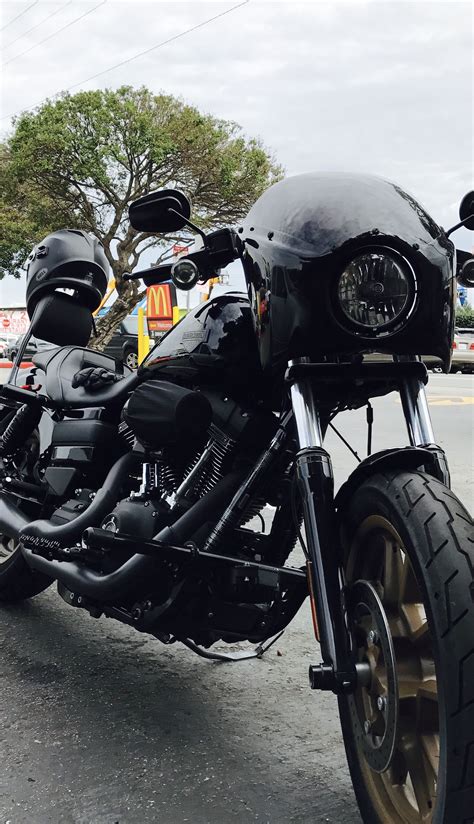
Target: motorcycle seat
x=60 y=366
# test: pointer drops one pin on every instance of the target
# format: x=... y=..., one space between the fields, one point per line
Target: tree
x=465 y=317
x=79 y=161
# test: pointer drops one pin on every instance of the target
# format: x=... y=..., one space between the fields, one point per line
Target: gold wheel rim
x=7 y=547
x=406 y=792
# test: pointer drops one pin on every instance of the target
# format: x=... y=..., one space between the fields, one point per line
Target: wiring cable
x=37 y=25
x=53 y=34
x=130 y=59
x=19 y=15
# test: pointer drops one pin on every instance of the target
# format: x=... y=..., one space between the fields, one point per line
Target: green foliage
x=80 y=160
x=465 y=317
x=91 y=153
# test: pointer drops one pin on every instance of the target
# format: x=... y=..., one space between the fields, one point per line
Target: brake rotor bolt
x=373 y=637
x=381 y=703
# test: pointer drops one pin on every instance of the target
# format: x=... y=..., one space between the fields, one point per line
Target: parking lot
x=103 y=725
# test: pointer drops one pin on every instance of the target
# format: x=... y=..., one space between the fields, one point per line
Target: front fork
x=338 y=672
x=418 y=422
x=316 y=484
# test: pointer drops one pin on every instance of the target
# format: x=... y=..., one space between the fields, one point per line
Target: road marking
x=439 y=400
x=445 y=400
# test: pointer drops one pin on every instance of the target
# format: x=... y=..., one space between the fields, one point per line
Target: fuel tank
x=214 y=343
x=307 y=240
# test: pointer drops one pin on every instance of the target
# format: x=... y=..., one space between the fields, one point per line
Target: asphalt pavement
x=103 y=725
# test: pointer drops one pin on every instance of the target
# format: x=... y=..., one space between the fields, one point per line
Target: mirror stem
x=457 y=225
x=188 y=223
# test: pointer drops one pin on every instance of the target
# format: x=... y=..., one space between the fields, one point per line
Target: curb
x=9 y=364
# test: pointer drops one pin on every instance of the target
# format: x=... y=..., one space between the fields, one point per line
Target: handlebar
x=222 y=247
x=152 y=275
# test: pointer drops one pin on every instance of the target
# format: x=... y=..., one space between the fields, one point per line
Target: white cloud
x=380 y=86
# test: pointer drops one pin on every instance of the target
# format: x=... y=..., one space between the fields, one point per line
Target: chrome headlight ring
x=376 y=293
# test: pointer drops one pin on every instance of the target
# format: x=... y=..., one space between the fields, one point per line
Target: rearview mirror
x=466 y=210
x=166 y=210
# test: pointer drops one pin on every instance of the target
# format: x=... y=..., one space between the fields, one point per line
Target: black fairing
x=300 y=235
x=215 y=342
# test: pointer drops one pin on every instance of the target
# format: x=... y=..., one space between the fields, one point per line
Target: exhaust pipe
x=133 y=578
x=45 y=535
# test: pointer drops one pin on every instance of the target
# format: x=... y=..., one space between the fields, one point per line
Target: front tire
x=409 y=549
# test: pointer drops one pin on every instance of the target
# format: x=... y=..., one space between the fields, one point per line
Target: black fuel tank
x=215 y=342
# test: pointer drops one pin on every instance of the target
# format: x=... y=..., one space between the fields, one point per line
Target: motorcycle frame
x=312 y=389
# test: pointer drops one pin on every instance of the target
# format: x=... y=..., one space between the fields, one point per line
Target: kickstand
x=232 y=657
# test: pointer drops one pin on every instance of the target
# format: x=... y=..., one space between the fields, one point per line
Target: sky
x=379 y=86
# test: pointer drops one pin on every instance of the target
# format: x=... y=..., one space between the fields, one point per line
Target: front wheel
x=409 y=731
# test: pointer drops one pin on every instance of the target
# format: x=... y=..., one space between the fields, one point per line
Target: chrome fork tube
x=316 y=486
x=307 y=420
x=417 y=413
x=415 y=408
x=418 y=422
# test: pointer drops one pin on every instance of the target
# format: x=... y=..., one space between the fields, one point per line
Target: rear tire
x=407 y=530
x=17 y=580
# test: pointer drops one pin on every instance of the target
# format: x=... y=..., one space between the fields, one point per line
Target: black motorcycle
x=139 y=492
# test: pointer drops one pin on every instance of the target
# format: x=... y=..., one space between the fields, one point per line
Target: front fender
x=431 y=459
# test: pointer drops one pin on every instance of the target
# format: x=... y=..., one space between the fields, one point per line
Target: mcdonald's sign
x=159 y=306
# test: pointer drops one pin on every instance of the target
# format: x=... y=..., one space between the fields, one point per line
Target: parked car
x=463 y=350
x=6 y=340
x=33 y=346
x=124 y=342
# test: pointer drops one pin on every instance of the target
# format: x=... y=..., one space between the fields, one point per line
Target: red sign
x=15 y=320
x=159 y=325
x=179 y=250
x=159 y=302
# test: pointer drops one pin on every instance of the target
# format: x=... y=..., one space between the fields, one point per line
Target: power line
x=135 y=57
x=20 y=36
x=67 y=26
x=19 y=15
x=158 y=45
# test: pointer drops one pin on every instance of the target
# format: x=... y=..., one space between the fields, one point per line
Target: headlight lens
x=375 y=290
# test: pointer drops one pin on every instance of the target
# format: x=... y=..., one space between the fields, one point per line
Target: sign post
x=143 y=339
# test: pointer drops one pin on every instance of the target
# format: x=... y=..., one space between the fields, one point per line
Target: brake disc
x=374 y=707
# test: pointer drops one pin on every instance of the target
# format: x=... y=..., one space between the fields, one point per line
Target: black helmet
x=67 y=259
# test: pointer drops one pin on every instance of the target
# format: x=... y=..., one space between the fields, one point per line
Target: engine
x=183 y=455
x=189 y=441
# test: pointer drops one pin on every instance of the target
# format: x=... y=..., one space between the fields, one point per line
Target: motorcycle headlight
x=377 y=291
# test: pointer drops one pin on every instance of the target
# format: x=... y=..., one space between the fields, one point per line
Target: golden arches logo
x=159 y=303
